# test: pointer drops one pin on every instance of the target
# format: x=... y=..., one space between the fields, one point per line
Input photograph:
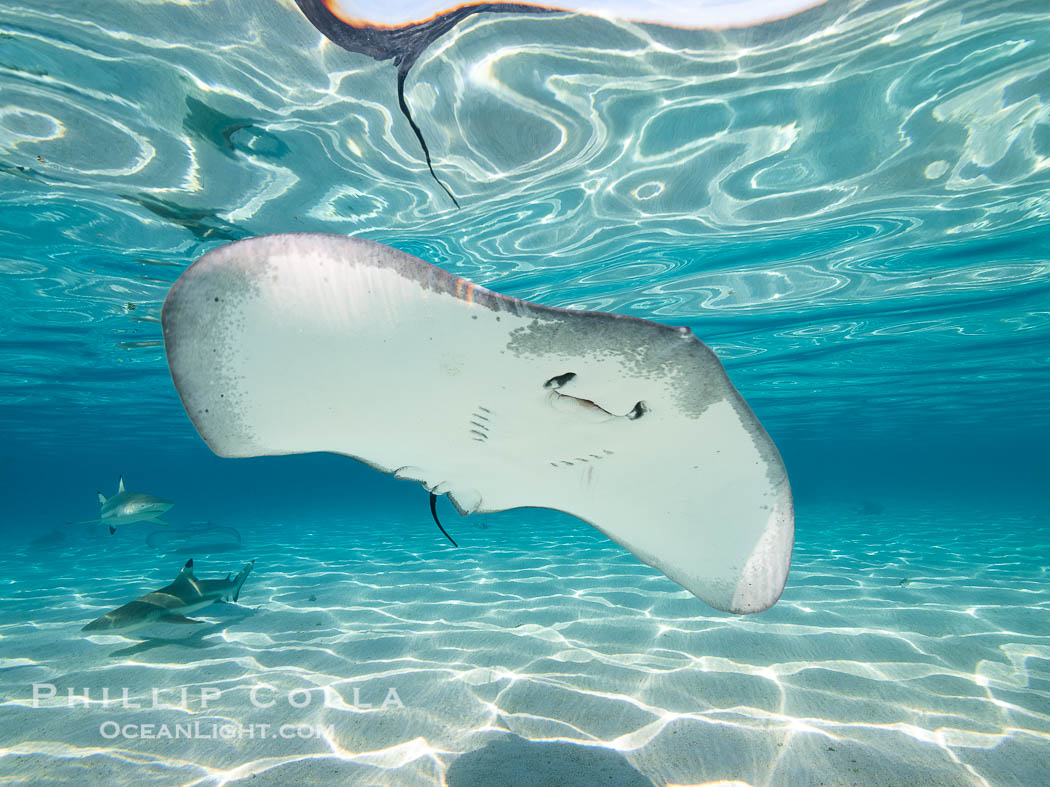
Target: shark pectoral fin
x=101 y=498
x=176 y=618
x=112 y=530
x=159 y=522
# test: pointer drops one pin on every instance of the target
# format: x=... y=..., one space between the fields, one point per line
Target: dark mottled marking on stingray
x=404 y=44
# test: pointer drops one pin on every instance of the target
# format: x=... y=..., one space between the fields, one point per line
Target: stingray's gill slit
x=569 y=402
x=434 y=513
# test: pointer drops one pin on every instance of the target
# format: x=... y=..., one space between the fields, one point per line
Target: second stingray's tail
x=402 y=74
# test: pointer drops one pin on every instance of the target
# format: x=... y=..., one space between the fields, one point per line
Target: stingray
x=298 y=343
x=206 y=539
x=401 y=31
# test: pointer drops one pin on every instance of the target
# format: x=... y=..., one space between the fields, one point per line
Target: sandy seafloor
x=911 y=647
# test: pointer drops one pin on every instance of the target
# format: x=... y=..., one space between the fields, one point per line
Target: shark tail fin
x=120 y=487
x=242 y=575
x=112 y=530
x=101 y=498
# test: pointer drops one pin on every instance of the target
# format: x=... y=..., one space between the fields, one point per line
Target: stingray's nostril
x=560 y=380
x=640 y=409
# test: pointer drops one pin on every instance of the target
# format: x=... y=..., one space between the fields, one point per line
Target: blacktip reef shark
x=297 y=343
x=172 y=603
x=401 y=30
x=126 y=507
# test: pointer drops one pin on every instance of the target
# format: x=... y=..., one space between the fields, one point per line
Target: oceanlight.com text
x=195 y=730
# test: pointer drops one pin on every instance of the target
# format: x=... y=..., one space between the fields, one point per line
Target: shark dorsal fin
x=187 y=570
x=120 y=487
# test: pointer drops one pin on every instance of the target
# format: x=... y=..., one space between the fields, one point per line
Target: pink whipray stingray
x=298 y=343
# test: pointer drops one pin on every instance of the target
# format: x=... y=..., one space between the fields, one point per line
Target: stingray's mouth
x=559 y=400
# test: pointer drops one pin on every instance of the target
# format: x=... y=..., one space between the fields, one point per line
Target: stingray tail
x=434 y=513
x=402 y=74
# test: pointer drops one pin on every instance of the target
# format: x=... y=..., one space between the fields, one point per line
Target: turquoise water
x=850 y=206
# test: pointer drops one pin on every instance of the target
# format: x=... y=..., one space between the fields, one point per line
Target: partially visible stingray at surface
x=300 y=343
x=401 y=31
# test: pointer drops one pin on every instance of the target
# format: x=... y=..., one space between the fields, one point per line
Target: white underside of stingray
x=297 y=343
x=677 y=13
